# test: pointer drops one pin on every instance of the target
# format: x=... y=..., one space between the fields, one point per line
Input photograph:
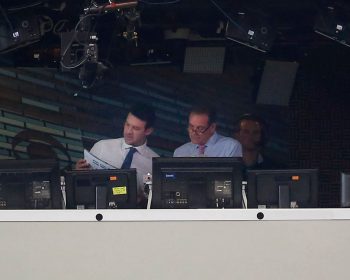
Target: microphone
x=110 y=7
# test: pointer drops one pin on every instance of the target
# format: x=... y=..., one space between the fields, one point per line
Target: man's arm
x=82 y=163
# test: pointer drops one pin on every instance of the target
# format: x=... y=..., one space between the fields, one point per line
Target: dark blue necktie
x=128 y=159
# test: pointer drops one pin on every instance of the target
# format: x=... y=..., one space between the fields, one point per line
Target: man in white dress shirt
x=138 y=125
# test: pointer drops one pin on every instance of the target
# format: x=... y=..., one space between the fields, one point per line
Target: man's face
x=135 y=131
x=199 y=128
x=249 y=135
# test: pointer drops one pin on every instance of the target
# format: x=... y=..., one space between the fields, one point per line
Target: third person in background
x=251 y=132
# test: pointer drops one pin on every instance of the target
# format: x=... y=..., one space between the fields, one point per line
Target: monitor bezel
x=252 y=175
x=197 y=163
x=72 y=174
x=21 y=167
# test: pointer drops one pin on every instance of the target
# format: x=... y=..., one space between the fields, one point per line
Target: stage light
x=250 y=30
x=18 y=31
x=333 y=22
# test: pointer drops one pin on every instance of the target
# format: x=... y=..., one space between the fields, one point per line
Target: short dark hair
x=202 y=109
x=254 y=118
x=145 y=113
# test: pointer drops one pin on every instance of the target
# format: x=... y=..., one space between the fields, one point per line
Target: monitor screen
x=197 y=182
x=30 y=184
x=289 y=188
x=101 y=189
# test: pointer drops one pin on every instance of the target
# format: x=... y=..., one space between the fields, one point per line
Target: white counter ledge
x=174 y=215
x=200 y=244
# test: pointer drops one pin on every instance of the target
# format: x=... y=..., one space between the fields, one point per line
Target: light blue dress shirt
x=217 y=146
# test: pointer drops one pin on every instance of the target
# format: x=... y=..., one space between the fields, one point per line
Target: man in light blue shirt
x=205 y=141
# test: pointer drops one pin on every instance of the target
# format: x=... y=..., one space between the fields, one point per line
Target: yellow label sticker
x=119 y=190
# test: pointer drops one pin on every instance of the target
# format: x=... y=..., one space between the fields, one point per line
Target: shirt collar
x=140 y=149
x=212 y=140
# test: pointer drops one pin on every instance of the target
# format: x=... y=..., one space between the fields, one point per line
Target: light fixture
x=333 y=22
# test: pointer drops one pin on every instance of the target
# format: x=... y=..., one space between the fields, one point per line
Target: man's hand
x=82 y=164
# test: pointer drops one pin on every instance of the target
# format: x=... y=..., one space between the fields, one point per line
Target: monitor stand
x=283 y=196
x=101 y=197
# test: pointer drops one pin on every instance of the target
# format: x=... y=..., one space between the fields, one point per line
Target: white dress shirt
x=114 y=151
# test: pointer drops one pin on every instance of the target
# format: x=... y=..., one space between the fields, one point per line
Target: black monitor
x=30 y=184
x=287 y=188
x=101 y=189
x=197 y=182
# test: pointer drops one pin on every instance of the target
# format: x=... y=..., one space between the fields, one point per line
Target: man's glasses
x=198 y=129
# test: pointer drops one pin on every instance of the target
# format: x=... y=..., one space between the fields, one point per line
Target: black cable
x=77 y=64
x=58 y=27
x=6 y=18
x=227 y=15
x=74 y=38
x=75 y=33
x=25 y=7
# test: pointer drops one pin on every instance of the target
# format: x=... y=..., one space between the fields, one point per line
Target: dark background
x=310 y=131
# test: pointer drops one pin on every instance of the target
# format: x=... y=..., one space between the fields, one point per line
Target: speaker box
x=277 y=82
x=204 y=60
x=251 y=30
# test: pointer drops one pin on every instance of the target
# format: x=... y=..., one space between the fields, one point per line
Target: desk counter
x=175 y=244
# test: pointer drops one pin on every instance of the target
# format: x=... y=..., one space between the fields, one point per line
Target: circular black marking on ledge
x=99 y=217
x=260 y=215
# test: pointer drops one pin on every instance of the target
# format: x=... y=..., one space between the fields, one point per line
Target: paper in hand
x=95 y=162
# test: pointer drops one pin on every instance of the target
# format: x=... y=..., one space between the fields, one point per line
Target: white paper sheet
x=95 y=162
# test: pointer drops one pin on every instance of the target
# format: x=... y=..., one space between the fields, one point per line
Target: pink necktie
x=201 y=149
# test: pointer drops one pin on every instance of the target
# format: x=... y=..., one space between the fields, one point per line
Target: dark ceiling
x=165 y=27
